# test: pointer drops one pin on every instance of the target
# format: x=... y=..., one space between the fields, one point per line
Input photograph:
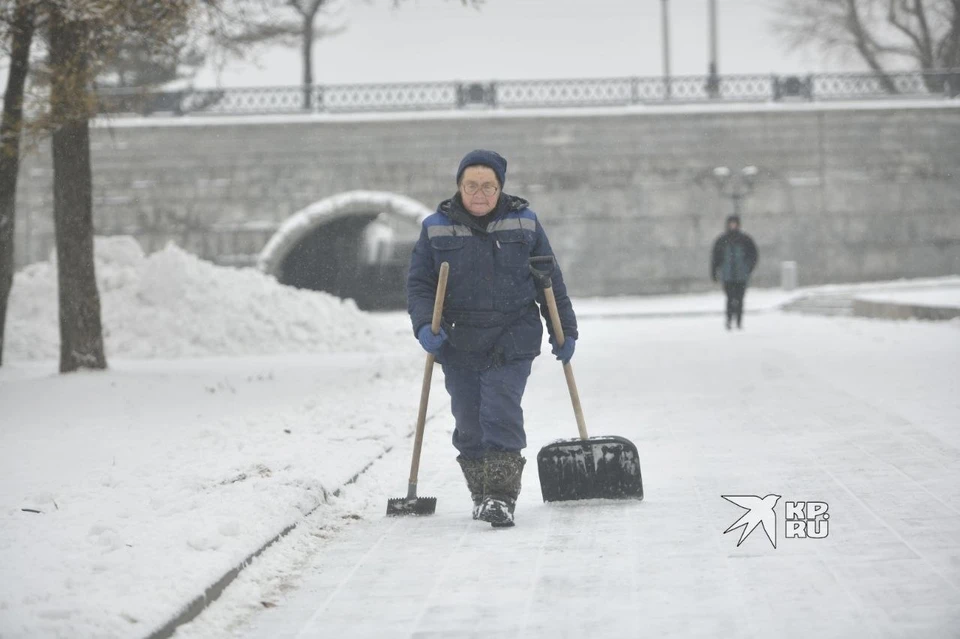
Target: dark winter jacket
x=734 y=257
x=490 y=312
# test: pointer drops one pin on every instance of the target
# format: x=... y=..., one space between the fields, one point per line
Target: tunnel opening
x=356 y=245
x=346 y=258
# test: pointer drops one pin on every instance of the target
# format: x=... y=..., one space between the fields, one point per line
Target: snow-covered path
x=859 y=414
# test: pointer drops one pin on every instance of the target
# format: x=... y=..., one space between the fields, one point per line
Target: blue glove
x=430 y=342
x=565 y=352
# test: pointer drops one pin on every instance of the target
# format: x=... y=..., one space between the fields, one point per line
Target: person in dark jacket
x=733 y=260
x=491 y=329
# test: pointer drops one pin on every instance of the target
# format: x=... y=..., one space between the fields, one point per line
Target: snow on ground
x=944 y=283
x=159 y=475
x=156 y=477
x=940 y=297
x=173 y=304
x=763 y=300
x=858 y=413
x=759 y=300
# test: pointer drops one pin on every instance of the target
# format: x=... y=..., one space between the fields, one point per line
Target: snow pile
x=173 y=304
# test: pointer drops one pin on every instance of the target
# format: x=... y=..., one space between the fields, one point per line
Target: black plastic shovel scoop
x=588 y=467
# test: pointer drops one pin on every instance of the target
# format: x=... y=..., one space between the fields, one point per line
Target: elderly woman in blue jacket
x=491 y=329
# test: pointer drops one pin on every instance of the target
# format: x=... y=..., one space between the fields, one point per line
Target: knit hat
x=482 y=157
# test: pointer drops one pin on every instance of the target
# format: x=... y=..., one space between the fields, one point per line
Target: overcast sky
x=512 y=39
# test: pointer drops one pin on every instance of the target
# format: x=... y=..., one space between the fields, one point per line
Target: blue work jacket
x=490 y=311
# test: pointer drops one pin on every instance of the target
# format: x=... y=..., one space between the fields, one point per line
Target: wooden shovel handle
x=567 y=368
x=427 y=378
x=438 y=300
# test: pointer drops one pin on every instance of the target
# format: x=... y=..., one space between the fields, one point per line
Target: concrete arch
x=350 y=203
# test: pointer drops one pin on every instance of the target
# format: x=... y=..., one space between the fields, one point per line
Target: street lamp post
x=665 y=24
x=713 y=81
x=736 y=186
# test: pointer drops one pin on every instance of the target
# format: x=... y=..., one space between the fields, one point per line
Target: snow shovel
x=588 y=467
x=411 y=504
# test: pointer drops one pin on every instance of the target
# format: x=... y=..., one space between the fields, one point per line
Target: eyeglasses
x=471 y=188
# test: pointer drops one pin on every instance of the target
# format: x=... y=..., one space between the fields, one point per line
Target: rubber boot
x=473 y=473
x=502 y=472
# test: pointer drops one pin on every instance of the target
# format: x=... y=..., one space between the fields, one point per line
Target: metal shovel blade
x=415 y=506
x=594 y=468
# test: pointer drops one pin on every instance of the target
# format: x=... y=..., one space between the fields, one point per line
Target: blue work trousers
x=486 y=407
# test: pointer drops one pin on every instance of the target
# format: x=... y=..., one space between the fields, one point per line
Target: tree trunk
x=927 y=61
x=307 y=47
x=21 y=38
x=81 y=335
x=948 y=53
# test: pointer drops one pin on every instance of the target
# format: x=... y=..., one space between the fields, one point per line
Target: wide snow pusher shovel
x=588 y=467
x=411 y=504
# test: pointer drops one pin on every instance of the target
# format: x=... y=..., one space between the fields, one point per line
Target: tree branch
x=867 y=47
x=896 y=50
x=921 y=14
x=948 y=49
x=314 y=7
x=295 y=5
x=894 y=20
x=922 y=43
x=266 y=31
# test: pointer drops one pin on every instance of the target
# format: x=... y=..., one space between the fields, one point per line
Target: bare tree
x=81 y=36
x=81 y=334
x=292 y=22
x=925 y=33
x=19 y=24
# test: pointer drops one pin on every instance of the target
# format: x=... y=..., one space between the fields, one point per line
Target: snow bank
x=146 y=483
x=173 y=304
x=937 y=298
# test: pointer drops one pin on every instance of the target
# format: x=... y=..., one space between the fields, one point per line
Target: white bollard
x=788 y=275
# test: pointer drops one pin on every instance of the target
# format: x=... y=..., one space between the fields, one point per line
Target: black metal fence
x=520 y=94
